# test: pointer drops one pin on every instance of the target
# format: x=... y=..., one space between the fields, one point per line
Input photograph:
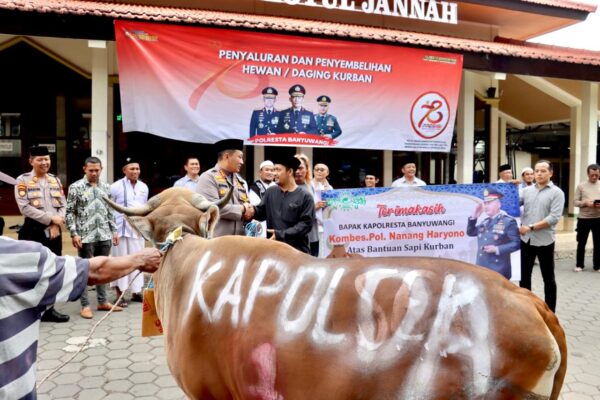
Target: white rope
x=87 y=339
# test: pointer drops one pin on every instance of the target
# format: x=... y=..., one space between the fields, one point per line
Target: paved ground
x=126 y=366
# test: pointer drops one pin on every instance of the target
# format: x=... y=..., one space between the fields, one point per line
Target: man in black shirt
x=288 y=210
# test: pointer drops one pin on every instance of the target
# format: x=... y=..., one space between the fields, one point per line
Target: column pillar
x=465 y=129
x=503 y=159
x=589 y=127
x=99 y=134
x=388 y=168
x=259 y=156
x=574 y=157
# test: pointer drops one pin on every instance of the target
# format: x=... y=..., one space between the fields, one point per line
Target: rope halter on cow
x=172 y=237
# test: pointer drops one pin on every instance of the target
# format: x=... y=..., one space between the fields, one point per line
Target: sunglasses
x=320 y=169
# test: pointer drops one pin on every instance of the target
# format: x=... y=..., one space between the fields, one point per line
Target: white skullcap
x=526 y=169
x=265 y=163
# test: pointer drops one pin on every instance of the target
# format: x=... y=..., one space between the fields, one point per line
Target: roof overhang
x=94 y=20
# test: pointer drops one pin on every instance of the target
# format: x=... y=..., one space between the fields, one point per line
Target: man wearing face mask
x=42 y=202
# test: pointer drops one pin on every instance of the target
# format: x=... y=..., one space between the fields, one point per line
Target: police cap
x=297 y=90
x=324 y=100
x=38 y=151
x=491 y=194
x=269 y=92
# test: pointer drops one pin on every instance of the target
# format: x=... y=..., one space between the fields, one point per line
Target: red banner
x=204 y=84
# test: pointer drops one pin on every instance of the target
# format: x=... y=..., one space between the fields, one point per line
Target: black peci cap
x=229 y=144
x=287 y=161
x=504 y=167
x=38 y=151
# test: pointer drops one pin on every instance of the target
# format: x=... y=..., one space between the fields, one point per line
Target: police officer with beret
x=264 y=120
x=327 y=124
x=297 y=119
x=497 y=235
x=42 y=202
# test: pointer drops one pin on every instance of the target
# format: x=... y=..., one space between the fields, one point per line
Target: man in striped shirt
x=32 y=278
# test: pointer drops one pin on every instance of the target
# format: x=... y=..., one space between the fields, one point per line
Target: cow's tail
x=561 y=345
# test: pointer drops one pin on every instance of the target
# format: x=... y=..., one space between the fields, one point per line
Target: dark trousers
x=545 y=255
x=35 y=231
x=314 y=249
x=89 y=250
x=584 y=226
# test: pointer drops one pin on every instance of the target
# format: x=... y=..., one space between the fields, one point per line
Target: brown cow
x=249 y=318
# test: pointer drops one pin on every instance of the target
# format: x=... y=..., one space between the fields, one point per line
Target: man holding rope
x=32 y=278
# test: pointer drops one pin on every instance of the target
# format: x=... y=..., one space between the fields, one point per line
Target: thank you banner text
x=476 y=223
x=204 y=84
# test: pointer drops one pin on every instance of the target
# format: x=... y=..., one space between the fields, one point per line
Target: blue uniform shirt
x=327 y=124
x=297 y=121
x=264 y=122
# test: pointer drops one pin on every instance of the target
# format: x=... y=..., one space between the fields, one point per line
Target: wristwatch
x=531 y=227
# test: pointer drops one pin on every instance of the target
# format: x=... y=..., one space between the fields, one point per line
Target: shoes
x=137 y=297
x=577 y=269
x=86 y=313
x=51 y=315
x=108 y=307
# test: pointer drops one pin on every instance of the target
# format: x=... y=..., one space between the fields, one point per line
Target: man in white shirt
x=192 y=171
x=258 y=188
x=129 y=191
x=409 y=177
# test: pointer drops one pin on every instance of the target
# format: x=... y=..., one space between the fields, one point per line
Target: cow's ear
x=208 y=221
x=142 y=226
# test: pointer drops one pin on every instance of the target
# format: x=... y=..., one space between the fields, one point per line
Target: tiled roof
x=504 y=47
x=588 y=6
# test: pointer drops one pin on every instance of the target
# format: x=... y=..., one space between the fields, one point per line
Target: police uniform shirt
x=297 y=121
x=327 y=124
x=128 y=195
x=40 y=198
x=264 y=122
x=500 y=231
x=214 y=185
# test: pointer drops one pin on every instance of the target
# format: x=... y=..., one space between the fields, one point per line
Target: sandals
x=122 y=303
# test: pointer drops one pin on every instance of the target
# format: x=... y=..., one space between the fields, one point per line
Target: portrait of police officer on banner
x=327 y=124
x=264 y=120
x=297 y=119
x=497 y=234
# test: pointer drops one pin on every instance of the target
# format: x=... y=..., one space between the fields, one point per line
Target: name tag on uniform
x=306 y=119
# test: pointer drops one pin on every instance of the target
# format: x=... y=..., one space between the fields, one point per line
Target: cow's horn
x=137 y=211
x=200 y=202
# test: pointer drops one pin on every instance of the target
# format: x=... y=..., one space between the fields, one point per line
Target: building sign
x=476 y=223
x=202 y=85
x=425 y=10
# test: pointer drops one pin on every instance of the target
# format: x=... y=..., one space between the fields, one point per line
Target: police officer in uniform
x=327 y=124
x=42 y=202
x=215 y=183
x=297 y=119
x=264 y=120
x=497 y=235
